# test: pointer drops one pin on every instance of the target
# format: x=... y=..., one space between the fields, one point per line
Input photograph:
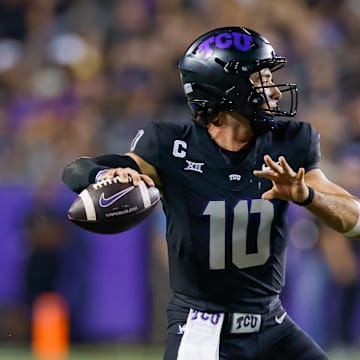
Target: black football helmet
x=215 y=73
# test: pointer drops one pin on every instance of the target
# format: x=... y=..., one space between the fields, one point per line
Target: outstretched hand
x=288 y=185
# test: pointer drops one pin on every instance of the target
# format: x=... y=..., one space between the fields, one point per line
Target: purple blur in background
x=103 y=277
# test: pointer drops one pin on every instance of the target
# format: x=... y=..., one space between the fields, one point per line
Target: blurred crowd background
x=79 y=77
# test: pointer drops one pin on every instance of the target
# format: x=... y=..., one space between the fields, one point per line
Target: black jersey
x=226 y=245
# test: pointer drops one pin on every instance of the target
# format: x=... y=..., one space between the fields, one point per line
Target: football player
x=227 y=178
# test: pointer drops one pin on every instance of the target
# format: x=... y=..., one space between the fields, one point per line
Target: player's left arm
x=333 y=204
x=328 y=201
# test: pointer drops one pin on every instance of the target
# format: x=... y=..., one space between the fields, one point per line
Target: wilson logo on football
x=106 y=202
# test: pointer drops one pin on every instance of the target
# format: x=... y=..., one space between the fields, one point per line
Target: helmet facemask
x=256 y=105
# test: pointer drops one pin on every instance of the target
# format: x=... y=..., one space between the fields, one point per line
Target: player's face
x=263 y=81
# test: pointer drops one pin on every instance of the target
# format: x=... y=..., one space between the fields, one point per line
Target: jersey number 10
x=240 y=257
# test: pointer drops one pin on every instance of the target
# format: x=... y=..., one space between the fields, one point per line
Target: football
x=110 y=207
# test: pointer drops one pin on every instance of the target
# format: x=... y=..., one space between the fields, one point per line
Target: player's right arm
x=130 y=166
x=84 y=171
x=145 y=172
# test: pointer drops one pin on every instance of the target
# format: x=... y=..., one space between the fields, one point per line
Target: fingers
x=300 y=174
x=147 y=179
x=274 y=169
x=287 y=184
x=127 y=175
x=265 y=174
x=124 y=174
x=268 y=195
x=287 y=168
x=106 y=174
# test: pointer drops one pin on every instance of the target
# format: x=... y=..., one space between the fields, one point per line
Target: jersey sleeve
x=145 y=144
x=314 y=154
x=300 y=142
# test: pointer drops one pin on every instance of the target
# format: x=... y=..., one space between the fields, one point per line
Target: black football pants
x=273 y=342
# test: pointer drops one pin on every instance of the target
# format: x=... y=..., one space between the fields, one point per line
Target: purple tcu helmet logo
x=225 y=40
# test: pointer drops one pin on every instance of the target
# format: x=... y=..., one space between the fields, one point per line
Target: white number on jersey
x=240 y=257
